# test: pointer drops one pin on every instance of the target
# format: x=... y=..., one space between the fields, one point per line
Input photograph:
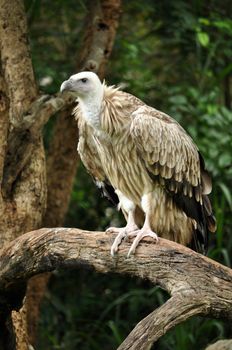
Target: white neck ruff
x=91 y=106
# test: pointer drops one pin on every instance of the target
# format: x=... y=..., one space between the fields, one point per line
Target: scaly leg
x=145 y=231
x=122 y=231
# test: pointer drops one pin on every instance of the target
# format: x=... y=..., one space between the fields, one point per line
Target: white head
x=86 y=85
x=89 y=90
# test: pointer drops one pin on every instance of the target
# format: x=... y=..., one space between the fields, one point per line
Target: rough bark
x=20 y=215
x=221 y=345
x=22 y=207
x=197 y=284
x=16 y=60
x=100 y=28
x=176 y=310
x=23 y=138
x=4 y=123
x=99 y=36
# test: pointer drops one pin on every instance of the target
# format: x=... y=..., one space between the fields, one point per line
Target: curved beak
x=66 y=86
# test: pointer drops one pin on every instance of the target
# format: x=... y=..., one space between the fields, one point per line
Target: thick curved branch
x=221 y=345
x=176 y=310
x=197 y=284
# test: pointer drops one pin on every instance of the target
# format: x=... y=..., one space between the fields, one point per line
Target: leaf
x=226 y=193
x=178 y=100
x=226 y=257
x=203 y=38
x=225 y=160
x=226 y=71
x=115 y=330
x=226 y=25
x=204 y=21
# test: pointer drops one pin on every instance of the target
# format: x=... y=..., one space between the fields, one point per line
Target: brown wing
x=173 y=160
x=166 y=149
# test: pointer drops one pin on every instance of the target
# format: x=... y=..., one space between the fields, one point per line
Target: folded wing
x=173 y=160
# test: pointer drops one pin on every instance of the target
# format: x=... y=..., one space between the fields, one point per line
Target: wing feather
x=166 y=148
x=173 y=160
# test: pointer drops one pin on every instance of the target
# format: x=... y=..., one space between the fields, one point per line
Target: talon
x=122 y=233
x=111 y=230
x=117 y=242
x=131 y=251
x=139 y=236
x=113 y=250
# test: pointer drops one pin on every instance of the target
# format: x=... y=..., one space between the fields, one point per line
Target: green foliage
x=186 y=335
x=176 y=56
x=83 y=317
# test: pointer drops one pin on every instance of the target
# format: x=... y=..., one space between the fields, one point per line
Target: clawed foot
x=139 y=235
x=122 y=233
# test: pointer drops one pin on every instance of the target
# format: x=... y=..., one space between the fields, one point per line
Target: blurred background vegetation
x=176 y=56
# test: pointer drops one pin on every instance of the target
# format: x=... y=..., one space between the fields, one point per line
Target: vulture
x=144 y=160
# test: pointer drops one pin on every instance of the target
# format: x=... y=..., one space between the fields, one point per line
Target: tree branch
x=193 y=280
x=221 y=345
x=23 y=137
x=176 y=310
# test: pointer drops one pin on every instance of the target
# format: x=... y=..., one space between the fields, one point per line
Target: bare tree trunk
x=4 y=125
x=192 y=280
x=19 y=215
x=24 y=195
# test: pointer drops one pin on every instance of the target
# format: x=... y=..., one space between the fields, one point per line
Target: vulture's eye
x=84 y=80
